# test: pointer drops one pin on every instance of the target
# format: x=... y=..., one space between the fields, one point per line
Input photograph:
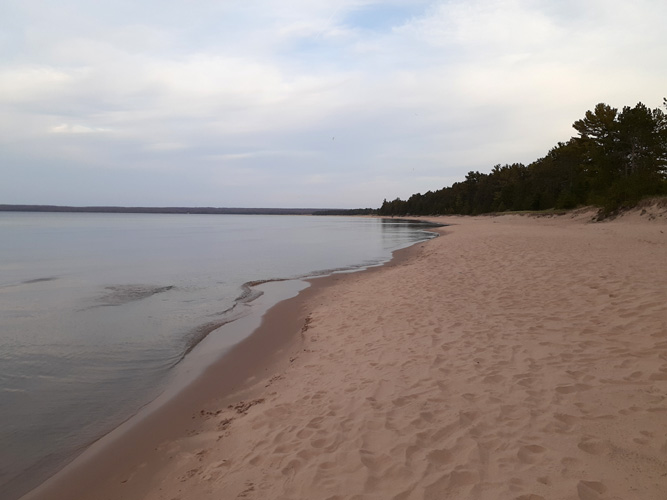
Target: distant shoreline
x=161 y=210
x=186 y=210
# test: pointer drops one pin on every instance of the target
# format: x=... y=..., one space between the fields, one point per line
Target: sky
x=302 y=103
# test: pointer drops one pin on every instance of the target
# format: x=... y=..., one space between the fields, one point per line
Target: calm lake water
x=97 y=310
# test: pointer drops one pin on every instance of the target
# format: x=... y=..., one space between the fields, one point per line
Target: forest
x=615 y=160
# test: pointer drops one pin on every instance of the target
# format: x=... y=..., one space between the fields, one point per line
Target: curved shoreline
x=250 y=291
x=236 y=374
x=515 y=358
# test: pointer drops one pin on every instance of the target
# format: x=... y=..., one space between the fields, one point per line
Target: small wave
x=122 y=294
x=10 y=389
x=250 y=293
x=30 y=282
x=39 y=280
x=198 y=334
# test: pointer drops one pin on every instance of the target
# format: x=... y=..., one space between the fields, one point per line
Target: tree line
x=616 y=159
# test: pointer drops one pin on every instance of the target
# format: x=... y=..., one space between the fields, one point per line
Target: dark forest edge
x=617 y=159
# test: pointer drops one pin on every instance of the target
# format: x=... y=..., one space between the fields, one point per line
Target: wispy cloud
x=66 y=128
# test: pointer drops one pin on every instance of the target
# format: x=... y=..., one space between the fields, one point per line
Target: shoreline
x=516 y=358
x=236 y=373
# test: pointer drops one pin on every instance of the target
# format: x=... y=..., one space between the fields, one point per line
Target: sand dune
x=511 y=358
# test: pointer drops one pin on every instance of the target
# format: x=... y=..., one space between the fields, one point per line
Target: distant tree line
x=616 y=159
x=350 y=211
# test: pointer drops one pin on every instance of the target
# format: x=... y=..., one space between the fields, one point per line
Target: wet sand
x=514 y=357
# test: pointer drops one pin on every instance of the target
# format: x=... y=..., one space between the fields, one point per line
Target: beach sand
x=513 y=357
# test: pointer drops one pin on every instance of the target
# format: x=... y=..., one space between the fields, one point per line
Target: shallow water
x=97 y=309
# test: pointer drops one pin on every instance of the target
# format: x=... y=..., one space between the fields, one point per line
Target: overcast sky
x=302 y=103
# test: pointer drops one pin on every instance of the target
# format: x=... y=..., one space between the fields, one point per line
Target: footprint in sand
x=450 y=483
x=493 y=379
x=291 y=468
x=634 y=376
x=318 y=443
x=562 y=423
x=315 y=423
x=593 y=446
x=661 y=375
x=467 y=418
x=530 y=454
x=569 y=389
x=214 y=470
x=590 y=490
x=304 y=433
x=439 y=457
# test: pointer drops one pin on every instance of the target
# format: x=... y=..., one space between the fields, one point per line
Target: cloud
x=416 y=93
x=473 y=25
x=23 y=83
x=66 y=128
x=166 y=146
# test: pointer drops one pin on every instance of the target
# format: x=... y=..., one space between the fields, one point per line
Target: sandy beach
x=513 y=357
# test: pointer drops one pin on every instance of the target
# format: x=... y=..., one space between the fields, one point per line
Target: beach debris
x=244 y=406
x=306 y=324
x=250 y=487
x=273 y=379
x=189 y=474
x=225 y=423
x=208 y=414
